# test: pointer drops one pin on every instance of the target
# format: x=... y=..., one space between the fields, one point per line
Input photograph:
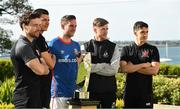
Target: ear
x=135 y=33
x=62 y=25
x=94 y=29
x=24 y=26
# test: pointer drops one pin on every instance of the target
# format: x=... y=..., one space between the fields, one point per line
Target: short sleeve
x=26 y=52
x=155 y=55
x=124 y=54
x=51 y=49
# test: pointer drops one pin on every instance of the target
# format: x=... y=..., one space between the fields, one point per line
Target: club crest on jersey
x=62 y=51
x=145 y=54
x=105 y=55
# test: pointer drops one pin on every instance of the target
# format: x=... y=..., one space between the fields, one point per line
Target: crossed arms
x=143 y=68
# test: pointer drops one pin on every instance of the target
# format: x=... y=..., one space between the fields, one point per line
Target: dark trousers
x=46 y=90
x=135 y=102
x=27 y=98
x=106 y=99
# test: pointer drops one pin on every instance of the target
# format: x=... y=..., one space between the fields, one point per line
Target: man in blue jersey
x=67 y=53
x=140 y=61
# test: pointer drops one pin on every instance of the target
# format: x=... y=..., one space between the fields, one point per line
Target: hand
x=145 y=65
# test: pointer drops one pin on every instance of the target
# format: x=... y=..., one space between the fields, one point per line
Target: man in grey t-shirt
x=27 y=64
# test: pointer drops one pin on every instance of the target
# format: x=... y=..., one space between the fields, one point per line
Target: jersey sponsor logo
x=105 y=55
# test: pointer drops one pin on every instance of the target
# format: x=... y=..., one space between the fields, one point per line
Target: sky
x=163 y=17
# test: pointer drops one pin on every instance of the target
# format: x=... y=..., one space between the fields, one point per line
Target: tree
x=11 y=8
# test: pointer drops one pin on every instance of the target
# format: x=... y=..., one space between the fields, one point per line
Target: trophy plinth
x=81 y=95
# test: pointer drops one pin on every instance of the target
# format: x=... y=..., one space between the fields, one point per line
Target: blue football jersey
x=66 y=67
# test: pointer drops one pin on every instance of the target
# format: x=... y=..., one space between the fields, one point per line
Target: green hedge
x=6 y=69
x=166 y=69
x=166 y=90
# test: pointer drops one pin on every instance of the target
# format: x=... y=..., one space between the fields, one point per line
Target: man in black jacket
x=105 y=63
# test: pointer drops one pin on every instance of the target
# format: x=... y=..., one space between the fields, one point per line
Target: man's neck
x=66 y=39
x=27 y=36
x=139 y=43
x=99 y=38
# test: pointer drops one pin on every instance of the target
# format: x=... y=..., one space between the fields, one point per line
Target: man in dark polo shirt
x=43 y=48
x=27 y=64
x=140 y=61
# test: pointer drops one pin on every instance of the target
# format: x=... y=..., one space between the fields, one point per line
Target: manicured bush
x=6 y=69
x=166 y=69
x=6 y=91
x=174 y=70
x=166 y=90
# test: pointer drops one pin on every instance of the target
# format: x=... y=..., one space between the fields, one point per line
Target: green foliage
x=6 y=106
x=166 y=90
x=174 y=70
x=6 y=91
x=6 y=69
x=14 y=7
x=166 y=69
x=120 y=79
x=5 y=38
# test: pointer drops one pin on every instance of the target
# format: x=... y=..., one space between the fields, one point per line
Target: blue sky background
x=163 y=17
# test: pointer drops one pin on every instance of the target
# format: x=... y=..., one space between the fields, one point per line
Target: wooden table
x=82 y=104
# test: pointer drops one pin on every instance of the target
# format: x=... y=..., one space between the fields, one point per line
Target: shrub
x=6 y=91
x=166 y=90
x=174 y=70
x=6 y=69
x=120 y=79
x=6 y=106
x=166 y=69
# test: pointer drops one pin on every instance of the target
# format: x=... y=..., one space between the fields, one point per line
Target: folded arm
x=152 y=70
x=128 y=67
x=49 y=59
x=37 y=67
x=107 y=69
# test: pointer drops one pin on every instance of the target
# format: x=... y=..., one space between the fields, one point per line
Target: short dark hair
x=27 y=17
x=139 y=24
x=41 y=11
x=100 y=22
x=67 y=18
